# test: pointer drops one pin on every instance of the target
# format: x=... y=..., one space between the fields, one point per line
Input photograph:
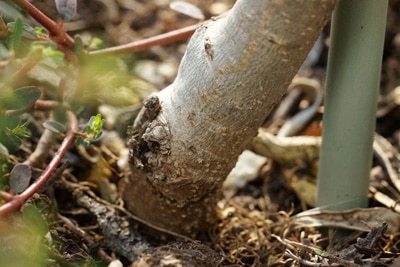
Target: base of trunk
x=188 y=216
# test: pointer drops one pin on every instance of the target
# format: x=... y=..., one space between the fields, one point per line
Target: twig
x=119 y=234
x=42 y=149
x=45 y=105
x=162 y=39
x=127 y=213
x=18 y=200
x=54 y=29
x=87 y=238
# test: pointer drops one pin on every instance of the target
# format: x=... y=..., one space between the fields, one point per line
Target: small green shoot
x=13 y=136
x=95 y=43
x=48 y=50
x=20 y=130
x=91 y=132
x=321 y=252
x=40 y=31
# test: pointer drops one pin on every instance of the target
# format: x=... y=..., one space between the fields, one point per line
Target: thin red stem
x=46 y=104
x=18 y=200
x=162 y=39
x=54 y=29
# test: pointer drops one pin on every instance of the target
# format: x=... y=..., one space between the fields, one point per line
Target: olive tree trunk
x=187 y=137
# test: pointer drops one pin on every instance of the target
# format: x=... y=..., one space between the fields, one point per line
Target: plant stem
x=54 y=29
x=162 y=39
x=18 y=200
x=354 y=65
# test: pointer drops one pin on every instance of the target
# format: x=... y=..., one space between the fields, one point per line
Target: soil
x=255 y=225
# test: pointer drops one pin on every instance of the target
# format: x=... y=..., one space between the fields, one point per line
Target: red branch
x=161 y=39
x=55 y=30
x=18 y=200
x=61 y=37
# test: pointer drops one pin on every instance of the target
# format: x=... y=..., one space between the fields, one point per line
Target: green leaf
x=54 y=126
x=98 y=121
x=15 y=43
x=20 y=177
x=40 y=31
x=21 y=97
x=78 y=44
x=95 y=43
x=97 y=136
x=27 y=30
x=24 y=240
x=20 y=130
x=13 y=141
x=13 y=132
x=86 y=143
x=48 y=50
x=9 y=11
x=55 y=55
x=34 y=218
x=92 y=130
x=82 y=141
x=7 y=137
x=94 y=126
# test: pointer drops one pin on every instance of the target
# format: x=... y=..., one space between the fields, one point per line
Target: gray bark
x=188 y=137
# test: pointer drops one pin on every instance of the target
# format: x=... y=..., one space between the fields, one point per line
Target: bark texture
x=188 y=137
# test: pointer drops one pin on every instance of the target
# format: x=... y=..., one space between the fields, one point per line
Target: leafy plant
x=92 y=131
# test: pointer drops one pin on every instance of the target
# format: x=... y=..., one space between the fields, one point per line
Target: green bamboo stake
x=354 y=67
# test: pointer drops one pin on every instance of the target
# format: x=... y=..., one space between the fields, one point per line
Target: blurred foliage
x=33 y=68
x=23 y=239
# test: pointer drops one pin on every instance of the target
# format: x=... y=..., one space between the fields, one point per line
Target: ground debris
x=185 y=253
x=119 y=232
x=365 y=247
x=367 y=251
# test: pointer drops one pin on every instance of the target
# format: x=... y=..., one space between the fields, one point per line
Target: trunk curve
x=187 y=137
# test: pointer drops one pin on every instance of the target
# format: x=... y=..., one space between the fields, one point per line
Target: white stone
x=246 y=170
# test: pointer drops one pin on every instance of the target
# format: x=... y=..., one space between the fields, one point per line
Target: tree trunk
x=187 y=137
